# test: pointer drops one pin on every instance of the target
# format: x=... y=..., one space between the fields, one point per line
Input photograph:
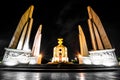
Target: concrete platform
x=58 y=68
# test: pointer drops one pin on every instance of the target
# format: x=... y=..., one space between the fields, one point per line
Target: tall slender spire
x=37 y=42
x=82 y=41
x=20 y=39
x=99 y=37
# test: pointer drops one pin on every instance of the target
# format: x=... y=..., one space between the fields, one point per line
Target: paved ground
x=16 y=75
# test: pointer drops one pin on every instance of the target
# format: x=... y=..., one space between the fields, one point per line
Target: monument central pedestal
x=60 y=54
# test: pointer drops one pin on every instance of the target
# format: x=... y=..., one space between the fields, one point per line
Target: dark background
x=59 y=19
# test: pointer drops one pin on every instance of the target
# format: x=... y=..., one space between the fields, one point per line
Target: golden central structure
x=60 y=52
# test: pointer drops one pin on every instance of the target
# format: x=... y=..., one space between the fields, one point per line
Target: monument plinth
x=103 y=57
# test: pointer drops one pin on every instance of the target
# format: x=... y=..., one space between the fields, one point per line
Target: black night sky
x=59 y=19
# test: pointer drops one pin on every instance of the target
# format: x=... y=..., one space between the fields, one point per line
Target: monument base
x=103 y=57
x=14 y=57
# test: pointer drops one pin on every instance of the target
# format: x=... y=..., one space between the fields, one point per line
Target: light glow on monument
x=39 y=59
x=80 y=59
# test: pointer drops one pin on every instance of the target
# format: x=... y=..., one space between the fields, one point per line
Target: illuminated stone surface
x=18 y=51
x=60 y=52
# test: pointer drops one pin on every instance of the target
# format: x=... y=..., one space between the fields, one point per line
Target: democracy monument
x=19 y=52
